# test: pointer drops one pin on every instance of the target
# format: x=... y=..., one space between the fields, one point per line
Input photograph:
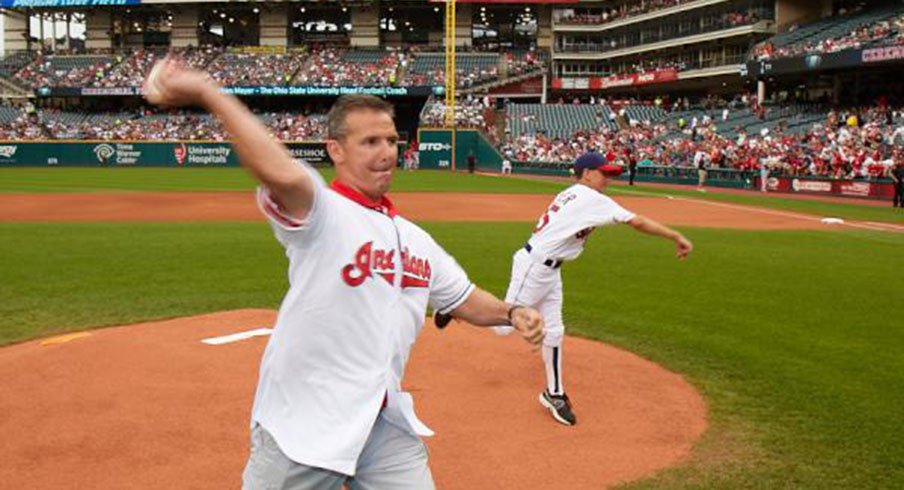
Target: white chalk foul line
x=869 y=225
x=236 y=337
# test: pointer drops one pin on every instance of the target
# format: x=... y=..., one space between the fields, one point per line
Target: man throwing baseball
x=329 y=410
x=559 y=237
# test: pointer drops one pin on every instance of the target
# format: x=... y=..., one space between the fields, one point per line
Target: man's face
x=367 y=155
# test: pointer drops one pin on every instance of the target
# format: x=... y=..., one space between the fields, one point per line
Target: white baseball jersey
x=360 y=279
x=574 y=214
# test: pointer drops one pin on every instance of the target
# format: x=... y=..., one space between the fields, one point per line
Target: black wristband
x=512 y=310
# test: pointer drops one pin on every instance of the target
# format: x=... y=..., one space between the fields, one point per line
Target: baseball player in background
x=559 y=237
x=329 y=410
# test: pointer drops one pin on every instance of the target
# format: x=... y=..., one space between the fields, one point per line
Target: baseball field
x=772 y=358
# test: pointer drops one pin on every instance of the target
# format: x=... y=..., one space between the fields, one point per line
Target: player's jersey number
x=544 y=220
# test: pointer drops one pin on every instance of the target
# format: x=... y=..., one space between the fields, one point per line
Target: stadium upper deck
x=614 y=46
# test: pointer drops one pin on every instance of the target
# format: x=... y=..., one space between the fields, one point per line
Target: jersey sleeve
x=449 y=284
x=604 y=211
x=290 y=229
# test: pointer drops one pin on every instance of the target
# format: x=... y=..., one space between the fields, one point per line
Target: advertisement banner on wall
x=66 y=3
x=434 y=148
x=601 y=83
x=141 y=153
x=265 y=91
x=888 y=53
x=849 y=188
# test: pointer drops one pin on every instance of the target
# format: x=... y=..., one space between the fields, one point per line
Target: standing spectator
x=700 y=164
x=632 y=165
x=506 y=166
x=764 y=176
x=897 y=175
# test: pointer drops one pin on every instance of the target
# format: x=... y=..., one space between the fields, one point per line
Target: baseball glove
x=441 y=320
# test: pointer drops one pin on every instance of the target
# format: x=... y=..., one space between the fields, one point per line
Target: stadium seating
x=8 y=114
x=644 y=113
x=470 y=69
x=11 y=64
x=356 y=67
x=250 y=69
x=876 y=26
x=557 y=120
x=469 y=113
x=66 y=71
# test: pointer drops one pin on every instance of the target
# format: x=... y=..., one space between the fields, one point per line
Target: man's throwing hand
x=529 y=323
x=171 y=84
x=683 y=247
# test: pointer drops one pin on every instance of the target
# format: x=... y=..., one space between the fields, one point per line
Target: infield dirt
x=240 y=206
x=150 y=406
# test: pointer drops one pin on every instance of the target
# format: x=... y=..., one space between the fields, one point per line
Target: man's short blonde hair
x=336 y=127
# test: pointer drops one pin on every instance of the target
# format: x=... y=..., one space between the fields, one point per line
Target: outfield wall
x=874 y=189
x=438 y=146
x=140 y=153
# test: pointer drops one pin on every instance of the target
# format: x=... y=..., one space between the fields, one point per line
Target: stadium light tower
x=450 y=64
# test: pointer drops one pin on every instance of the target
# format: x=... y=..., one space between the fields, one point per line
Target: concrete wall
x=274 y=26
x=98 y=27
x=185 y=28
x=463 y=24
x=365 y=27
x=15 y=31
x=790 y=12
x=545 y=36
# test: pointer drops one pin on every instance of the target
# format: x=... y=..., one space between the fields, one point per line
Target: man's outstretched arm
x=485 y=310
x=173 y=85
x=683 y=246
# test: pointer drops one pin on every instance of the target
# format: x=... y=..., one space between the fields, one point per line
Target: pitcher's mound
x=151 y=406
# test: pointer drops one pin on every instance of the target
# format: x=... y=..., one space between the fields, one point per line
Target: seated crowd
x=856 y=144
x=48 y=124
x=470 y=112
x=889 y=32
x=328 y=67
x=320 y=66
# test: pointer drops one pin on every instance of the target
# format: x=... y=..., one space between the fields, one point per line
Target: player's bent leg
x=393 y=459
x=520 y=289
x=268 y=467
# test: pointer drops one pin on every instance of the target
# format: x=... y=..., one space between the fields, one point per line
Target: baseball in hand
x=152 y=91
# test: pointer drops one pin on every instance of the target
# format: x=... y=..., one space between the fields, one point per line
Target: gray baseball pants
x=392 y=459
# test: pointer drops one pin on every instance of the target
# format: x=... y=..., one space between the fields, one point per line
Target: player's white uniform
x=536 y=279
x=360 y=279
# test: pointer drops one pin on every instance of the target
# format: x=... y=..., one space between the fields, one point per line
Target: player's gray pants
x=392 y=459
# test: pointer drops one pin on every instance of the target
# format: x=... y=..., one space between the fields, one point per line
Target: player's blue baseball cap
x=594 y=160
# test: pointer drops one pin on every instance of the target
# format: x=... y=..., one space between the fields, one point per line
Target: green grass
x=41 y=180
x=854 y=210
x=64 y=277
x=794 y=338
x=34 y=180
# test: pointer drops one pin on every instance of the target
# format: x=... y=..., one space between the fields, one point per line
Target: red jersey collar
x=384 y=205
